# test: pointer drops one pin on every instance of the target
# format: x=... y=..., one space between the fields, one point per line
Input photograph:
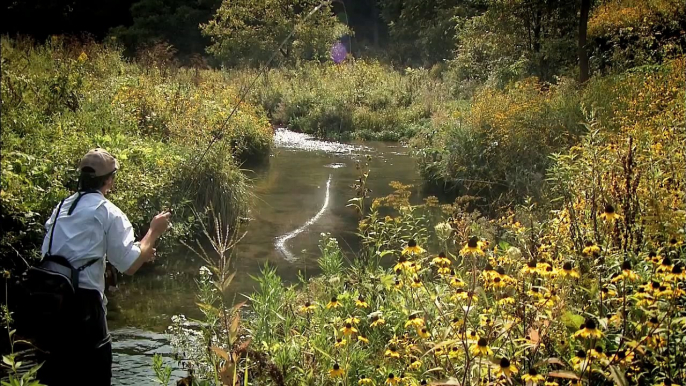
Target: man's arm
x=158 y=226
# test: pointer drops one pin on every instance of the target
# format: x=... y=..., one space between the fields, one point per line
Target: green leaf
x=572 y=320
x=8 y=360
x=618 y=376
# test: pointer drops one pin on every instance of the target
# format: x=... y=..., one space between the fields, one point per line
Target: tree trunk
x=583 y=53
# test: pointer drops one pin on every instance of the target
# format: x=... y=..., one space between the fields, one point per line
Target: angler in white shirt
x=86 y=229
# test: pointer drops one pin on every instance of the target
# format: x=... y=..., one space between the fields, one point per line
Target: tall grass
x=358 y=99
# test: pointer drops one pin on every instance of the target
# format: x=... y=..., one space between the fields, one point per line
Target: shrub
x=360 y=99
x=500 y=144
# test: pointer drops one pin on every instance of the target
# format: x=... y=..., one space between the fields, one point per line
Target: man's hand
x=160 y=224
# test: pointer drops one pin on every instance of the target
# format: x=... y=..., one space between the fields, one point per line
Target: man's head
x=97 y=169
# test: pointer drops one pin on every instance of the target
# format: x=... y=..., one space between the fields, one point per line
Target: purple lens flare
x=338 y=52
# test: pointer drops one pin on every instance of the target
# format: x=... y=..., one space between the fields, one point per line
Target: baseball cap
x=102 y=162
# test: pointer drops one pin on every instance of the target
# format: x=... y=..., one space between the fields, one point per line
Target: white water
x=281 y=240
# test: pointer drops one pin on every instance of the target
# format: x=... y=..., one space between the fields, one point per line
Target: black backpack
x=51 y=286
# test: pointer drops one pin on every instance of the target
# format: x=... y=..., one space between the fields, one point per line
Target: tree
x=423 y=31
x=583 y=54
x=249 y=31
x=174 y=21
x=517 y=38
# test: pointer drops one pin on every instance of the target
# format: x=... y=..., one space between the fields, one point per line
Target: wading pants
x=80 y=351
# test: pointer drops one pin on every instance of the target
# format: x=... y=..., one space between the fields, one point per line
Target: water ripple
x=281 y=240
x=287 y=139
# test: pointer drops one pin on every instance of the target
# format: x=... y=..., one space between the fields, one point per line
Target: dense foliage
x=250 y=32
x=60 y=99
x=360 y=99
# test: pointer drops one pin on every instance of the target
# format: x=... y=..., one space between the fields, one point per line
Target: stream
x=301 y=192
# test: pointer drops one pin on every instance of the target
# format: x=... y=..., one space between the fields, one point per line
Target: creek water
x=301 y=192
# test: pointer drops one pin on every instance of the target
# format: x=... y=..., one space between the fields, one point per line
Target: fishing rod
x=218 y=134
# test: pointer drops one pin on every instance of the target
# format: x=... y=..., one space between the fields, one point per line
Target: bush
x=500 y=144
x=360 y=99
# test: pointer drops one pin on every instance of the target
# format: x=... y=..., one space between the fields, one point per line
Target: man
x=87 y=229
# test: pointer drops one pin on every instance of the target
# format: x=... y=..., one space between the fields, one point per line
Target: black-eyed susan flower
x=361 y=303
x=398 y=285
x=653 y=258
x=402 y=265
x=481 y=348
x=334 y=303
x=307 y=308
x=627 y=273
x=412 y=248
x=472 y=246
x=485 y=320
x=506 y=368
x=589 y=330
x=353 y=320
x=506 y=300
x=456 y=282
x=591 y=249
x=530 y=268
x=348 y=329
x=532 y=377
x=424 y=333
x=488 y=272
x=336 y=371
x=454 y=353
x=598 y=353
x=377 y=321
x=392 y=352
x=610 y=214
x=664 y=291
x=441 y=260
x=414 y=321
x=653 y=322
x=457 y=323
x=674 y=242
x=392 y=379
x=444 y=271
x=340 y=342
x=623 y=357
x=551 y=383
x=677 y=273
x=568 y=270
x=665 y=266
x=417 y=282
x=655 y=341
x=416 y=364
x=472 y=336
x=362 y=338
x=462 y=295
x=667 y=382
x=580 y=360
x=365 y=380
x=608 y=292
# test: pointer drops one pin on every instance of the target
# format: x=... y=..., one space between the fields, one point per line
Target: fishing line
x=219 y=133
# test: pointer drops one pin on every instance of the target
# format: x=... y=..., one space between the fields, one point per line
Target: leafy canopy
x=249 y=31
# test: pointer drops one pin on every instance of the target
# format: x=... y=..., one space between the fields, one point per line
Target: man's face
x=109 y=184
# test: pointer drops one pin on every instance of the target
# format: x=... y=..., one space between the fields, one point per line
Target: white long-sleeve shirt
x=95 y=229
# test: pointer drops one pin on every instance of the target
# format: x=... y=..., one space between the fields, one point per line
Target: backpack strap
x=52 y=231
x=60 y=259
x=78 y=198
